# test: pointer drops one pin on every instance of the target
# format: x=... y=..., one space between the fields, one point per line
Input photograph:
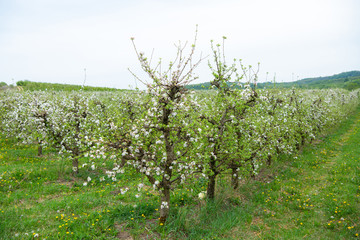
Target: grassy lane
x=316 y=196
x=40 y=198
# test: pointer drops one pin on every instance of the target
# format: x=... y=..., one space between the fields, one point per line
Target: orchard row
x=172 y=135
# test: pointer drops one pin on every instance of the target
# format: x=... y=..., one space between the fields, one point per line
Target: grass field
x=315 y=195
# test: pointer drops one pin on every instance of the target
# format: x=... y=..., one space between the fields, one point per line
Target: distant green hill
x=347 y=80
x=34 y=86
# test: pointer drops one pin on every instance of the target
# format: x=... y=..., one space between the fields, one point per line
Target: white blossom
x=164 y=205
x=202 y=195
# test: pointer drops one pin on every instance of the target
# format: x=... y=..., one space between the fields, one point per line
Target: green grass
x=313 y=196
x=316 y=196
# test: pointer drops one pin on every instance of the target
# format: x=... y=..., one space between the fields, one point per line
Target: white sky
x=54 y=40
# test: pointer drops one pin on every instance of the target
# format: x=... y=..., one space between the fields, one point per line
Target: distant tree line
x=35 y=86
x=346 y=80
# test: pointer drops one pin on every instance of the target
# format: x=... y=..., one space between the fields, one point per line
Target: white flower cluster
x=164 y=205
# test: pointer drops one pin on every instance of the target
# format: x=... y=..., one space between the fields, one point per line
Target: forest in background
x=346 y=80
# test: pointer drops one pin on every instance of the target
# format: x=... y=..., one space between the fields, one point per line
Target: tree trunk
x=211 y=186
x=40 y=150
x=234 y=178
x=252 y=173
x=212 y=178
x=165 y=203
x=269 y=160
x=170 y=156
x=75 y=164
x=303 y=139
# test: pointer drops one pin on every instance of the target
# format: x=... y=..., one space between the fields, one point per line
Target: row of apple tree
x=171 y=134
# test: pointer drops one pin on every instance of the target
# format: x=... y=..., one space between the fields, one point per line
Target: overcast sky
x=55 y=40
